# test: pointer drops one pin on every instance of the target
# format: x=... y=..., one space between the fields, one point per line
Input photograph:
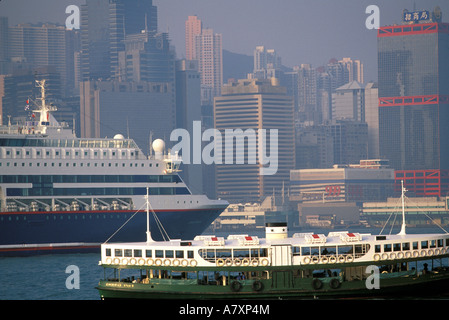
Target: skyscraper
x=193 y=28
x=147 y=56
x=205 y=46
x=265 y=62
x=104 y=25
x=414 y=98
x=413 y=91
x=348 y=102
x=254 y=104
x=209 y=53
x=44 y=45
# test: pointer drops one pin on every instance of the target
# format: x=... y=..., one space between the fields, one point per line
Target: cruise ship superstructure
x=61 y=193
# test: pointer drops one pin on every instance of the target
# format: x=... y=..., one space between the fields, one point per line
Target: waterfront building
x=423 y=183
x=369 y=181
x=255 y=104
x=418 y=210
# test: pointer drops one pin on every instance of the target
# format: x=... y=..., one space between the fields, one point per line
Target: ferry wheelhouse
x=340 y=264
x=61 y=193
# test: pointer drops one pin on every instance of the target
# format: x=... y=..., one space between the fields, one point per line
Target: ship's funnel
x=276 y=230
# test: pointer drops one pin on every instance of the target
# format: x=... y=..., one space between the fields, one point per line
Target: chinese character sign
x=416 y=16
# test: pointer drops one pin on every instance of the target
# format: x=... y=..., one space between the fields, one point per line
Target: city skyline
x=125 y=71
x=323 y=29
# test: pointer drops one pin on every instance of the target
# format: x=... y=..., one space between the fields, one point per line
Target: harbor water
x=74 y=276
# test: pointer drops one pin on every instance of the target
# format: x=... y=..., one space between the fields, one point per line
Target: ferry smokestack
x=276 y=230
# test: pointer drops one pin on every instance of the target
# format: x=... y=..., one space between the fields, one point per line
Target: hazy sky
x=301 y=31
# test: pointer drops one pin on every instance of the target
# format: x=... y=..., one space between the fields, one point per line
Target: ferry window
x=396 y=247
x=128 y=253
x=424 y=244
x=108 y=252
x=118 y=252
x=169 y=253
x=447 y=241
x=328 y=250
x=241 y=253
x=159 y=253
x=315 y=251
x=226 y=253
x=387 y=247
x=305 y=251
x=263 y=252
x=440 y=243
x=433 y=243
x=358 y=250
x=415 y=245
x=210 y=254
x=345 y=250
x=137 y=253
x=190 y=254
x=296 y=251
x=406 y=246
x=148 y=253
x=377 y=248
x=179 y=254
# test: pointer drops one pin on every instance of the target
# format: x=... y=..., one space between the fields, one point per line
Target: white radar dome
x=119 y=137
x=158 y=145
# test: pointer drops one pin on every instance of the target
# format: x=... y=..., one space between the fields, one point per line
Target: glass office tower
x=413 y=70
x=413 y=62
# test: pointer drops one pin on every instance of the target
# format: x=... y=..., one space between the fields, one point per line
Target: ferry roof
x=299 y=239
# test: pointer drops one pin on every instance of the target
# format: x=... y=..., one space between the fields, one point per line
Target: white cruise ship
x=61 y=193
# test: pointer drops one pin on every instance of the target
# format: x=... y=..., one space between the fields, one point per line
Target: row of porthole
x=242 y=262
x=74 y=164
x=408 y=254
x=153 y=262
x=62 y=217
x=332 y=259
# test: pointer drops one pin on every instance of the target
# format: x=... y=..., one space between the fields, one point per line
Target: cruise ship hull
x=31 y=233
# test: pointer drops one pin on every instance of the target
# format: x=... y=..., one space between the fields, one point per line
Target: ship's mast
x=147 y=198
x=403 y=190
x=44 y=109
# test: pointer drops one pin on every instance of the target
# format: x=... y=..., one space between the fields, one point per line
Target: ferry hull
x=83 y=231
x=423 y=286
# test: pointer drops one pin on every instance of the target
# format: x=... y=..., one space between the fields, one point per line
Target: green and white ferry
x=306 y=265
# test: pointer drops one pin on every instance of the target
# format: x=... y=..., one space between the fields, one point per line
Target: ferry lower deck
x=419 y=278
